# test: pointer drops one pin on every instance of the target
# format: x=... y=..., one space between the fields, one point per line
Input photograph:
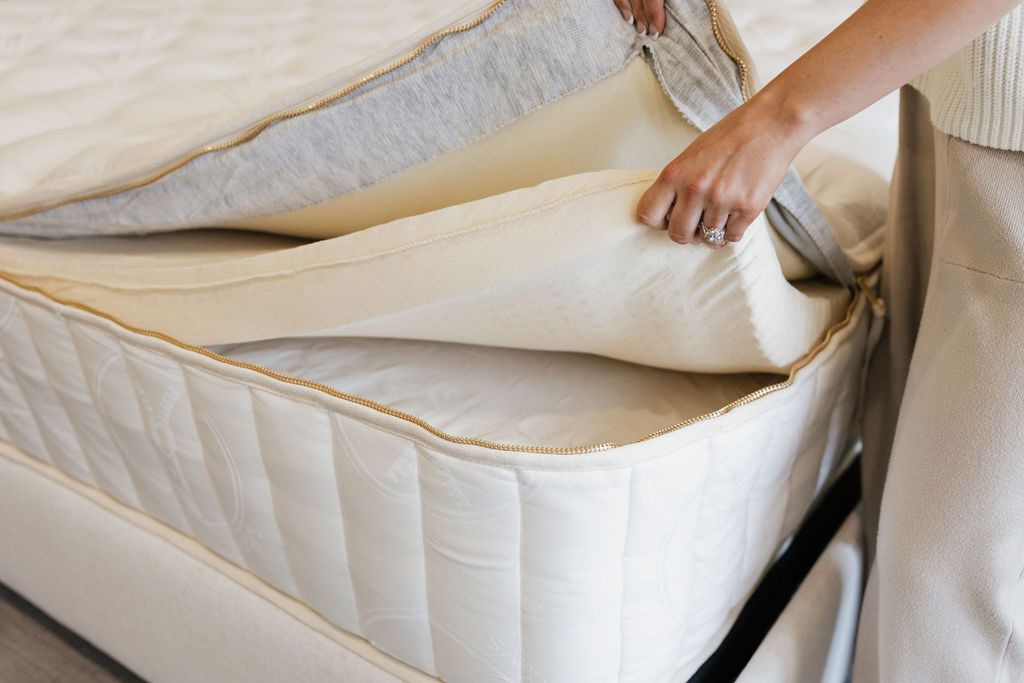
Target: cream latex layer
x=625 y=121
x=638 y=128
x=562 y=266
x=505 y=395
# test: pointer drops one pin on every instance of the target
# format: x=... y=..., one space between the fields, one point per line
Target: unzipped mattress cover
x=446 y=83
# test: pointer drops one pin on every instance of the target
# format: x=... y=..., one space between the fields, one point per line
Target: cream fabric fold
x=562 y=266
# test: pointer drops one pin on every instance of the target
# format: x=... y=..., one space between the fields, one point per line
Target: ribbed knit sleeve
x=978 y=93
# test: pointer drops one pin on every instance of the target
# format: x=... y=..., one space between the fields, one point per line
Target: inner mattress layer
x=562 y=266
x=639 y=127
x=506 y=395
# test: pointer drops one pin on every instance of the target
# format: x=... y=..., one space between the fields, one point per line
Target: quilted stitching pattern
x=470 y=564
x=96 y=87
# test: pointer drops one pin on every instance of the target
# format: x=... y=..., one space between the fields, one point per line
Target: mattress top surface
x=99 y=87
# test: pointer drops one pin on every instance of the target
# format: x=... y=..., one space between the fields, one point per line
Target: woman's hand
x=729 y=173
x=647 y=15
x=727 y=176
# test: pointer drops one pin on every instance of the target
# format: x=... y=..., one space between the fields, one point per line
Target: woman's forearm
x=883 y=45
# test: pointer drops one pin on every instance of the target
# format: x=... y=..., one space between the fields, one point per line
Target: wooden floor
x=36 y=649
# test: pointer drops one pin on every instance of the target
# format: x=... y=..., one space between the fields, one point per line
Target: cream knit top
x=978 y=93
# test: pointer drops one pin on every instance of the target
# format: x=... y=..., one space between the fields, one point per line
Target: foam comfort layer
x=105 y=570
x=462 y=558
x=638 y=128
x=563 y=266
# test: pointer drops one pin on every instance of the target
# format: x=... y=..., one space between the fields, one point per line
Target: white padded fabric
x=562 y=266
x=158 y=601
x=104 y=570
x=624 y=563
x=99 y=91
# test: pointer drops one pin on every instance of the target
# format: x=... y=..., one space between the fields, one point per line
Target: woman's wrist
x=793 y=119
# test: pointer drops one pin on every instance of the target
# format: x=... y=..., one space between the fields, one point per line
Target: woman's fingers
x=647 y=15
x=682 y=228
x=639 y=15
x=738 y=224
x=654 y=11
x=626 y=10
x=655 y=203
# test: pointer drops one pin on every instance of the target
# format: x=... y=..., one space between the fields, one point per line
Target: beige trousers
x=945 y=599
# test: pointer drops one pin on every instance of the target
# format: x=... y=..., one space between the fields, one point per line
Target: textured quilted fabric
x=468 y=562
x=95 y=90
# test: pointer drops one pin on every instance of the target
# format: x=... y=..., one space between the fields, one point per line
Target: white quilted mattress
x=106 y=89
x=464 y=554
x=579 y=447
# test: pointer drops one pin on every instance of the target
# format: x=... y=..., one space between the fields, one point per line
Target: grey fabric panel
x=530 y=53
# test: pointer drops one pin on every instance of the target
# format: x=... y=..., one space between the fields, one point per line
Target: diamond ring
x=712 y=235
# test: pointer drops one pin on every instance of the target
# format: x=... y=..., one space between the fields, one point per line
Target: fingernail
x=654 y=36
x=629 y=19
x=641 y=29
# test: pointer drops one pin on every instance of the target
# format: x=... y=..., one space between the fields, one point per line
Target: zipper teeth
x=265 y=123
x=729 y=51
x=863 y=291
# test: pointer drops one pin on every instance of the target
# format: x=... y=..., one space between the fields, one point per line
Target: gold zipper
x=265 y=123
x=862 y=293
x=729 y=51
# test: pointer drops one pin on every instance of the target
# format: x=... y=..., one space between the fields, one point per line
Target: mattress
x=624 y=554
x=105 y=569
x=496 y=432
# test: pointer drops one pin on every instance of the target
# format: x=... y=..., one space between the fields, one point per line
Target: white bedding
x=506 y=395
